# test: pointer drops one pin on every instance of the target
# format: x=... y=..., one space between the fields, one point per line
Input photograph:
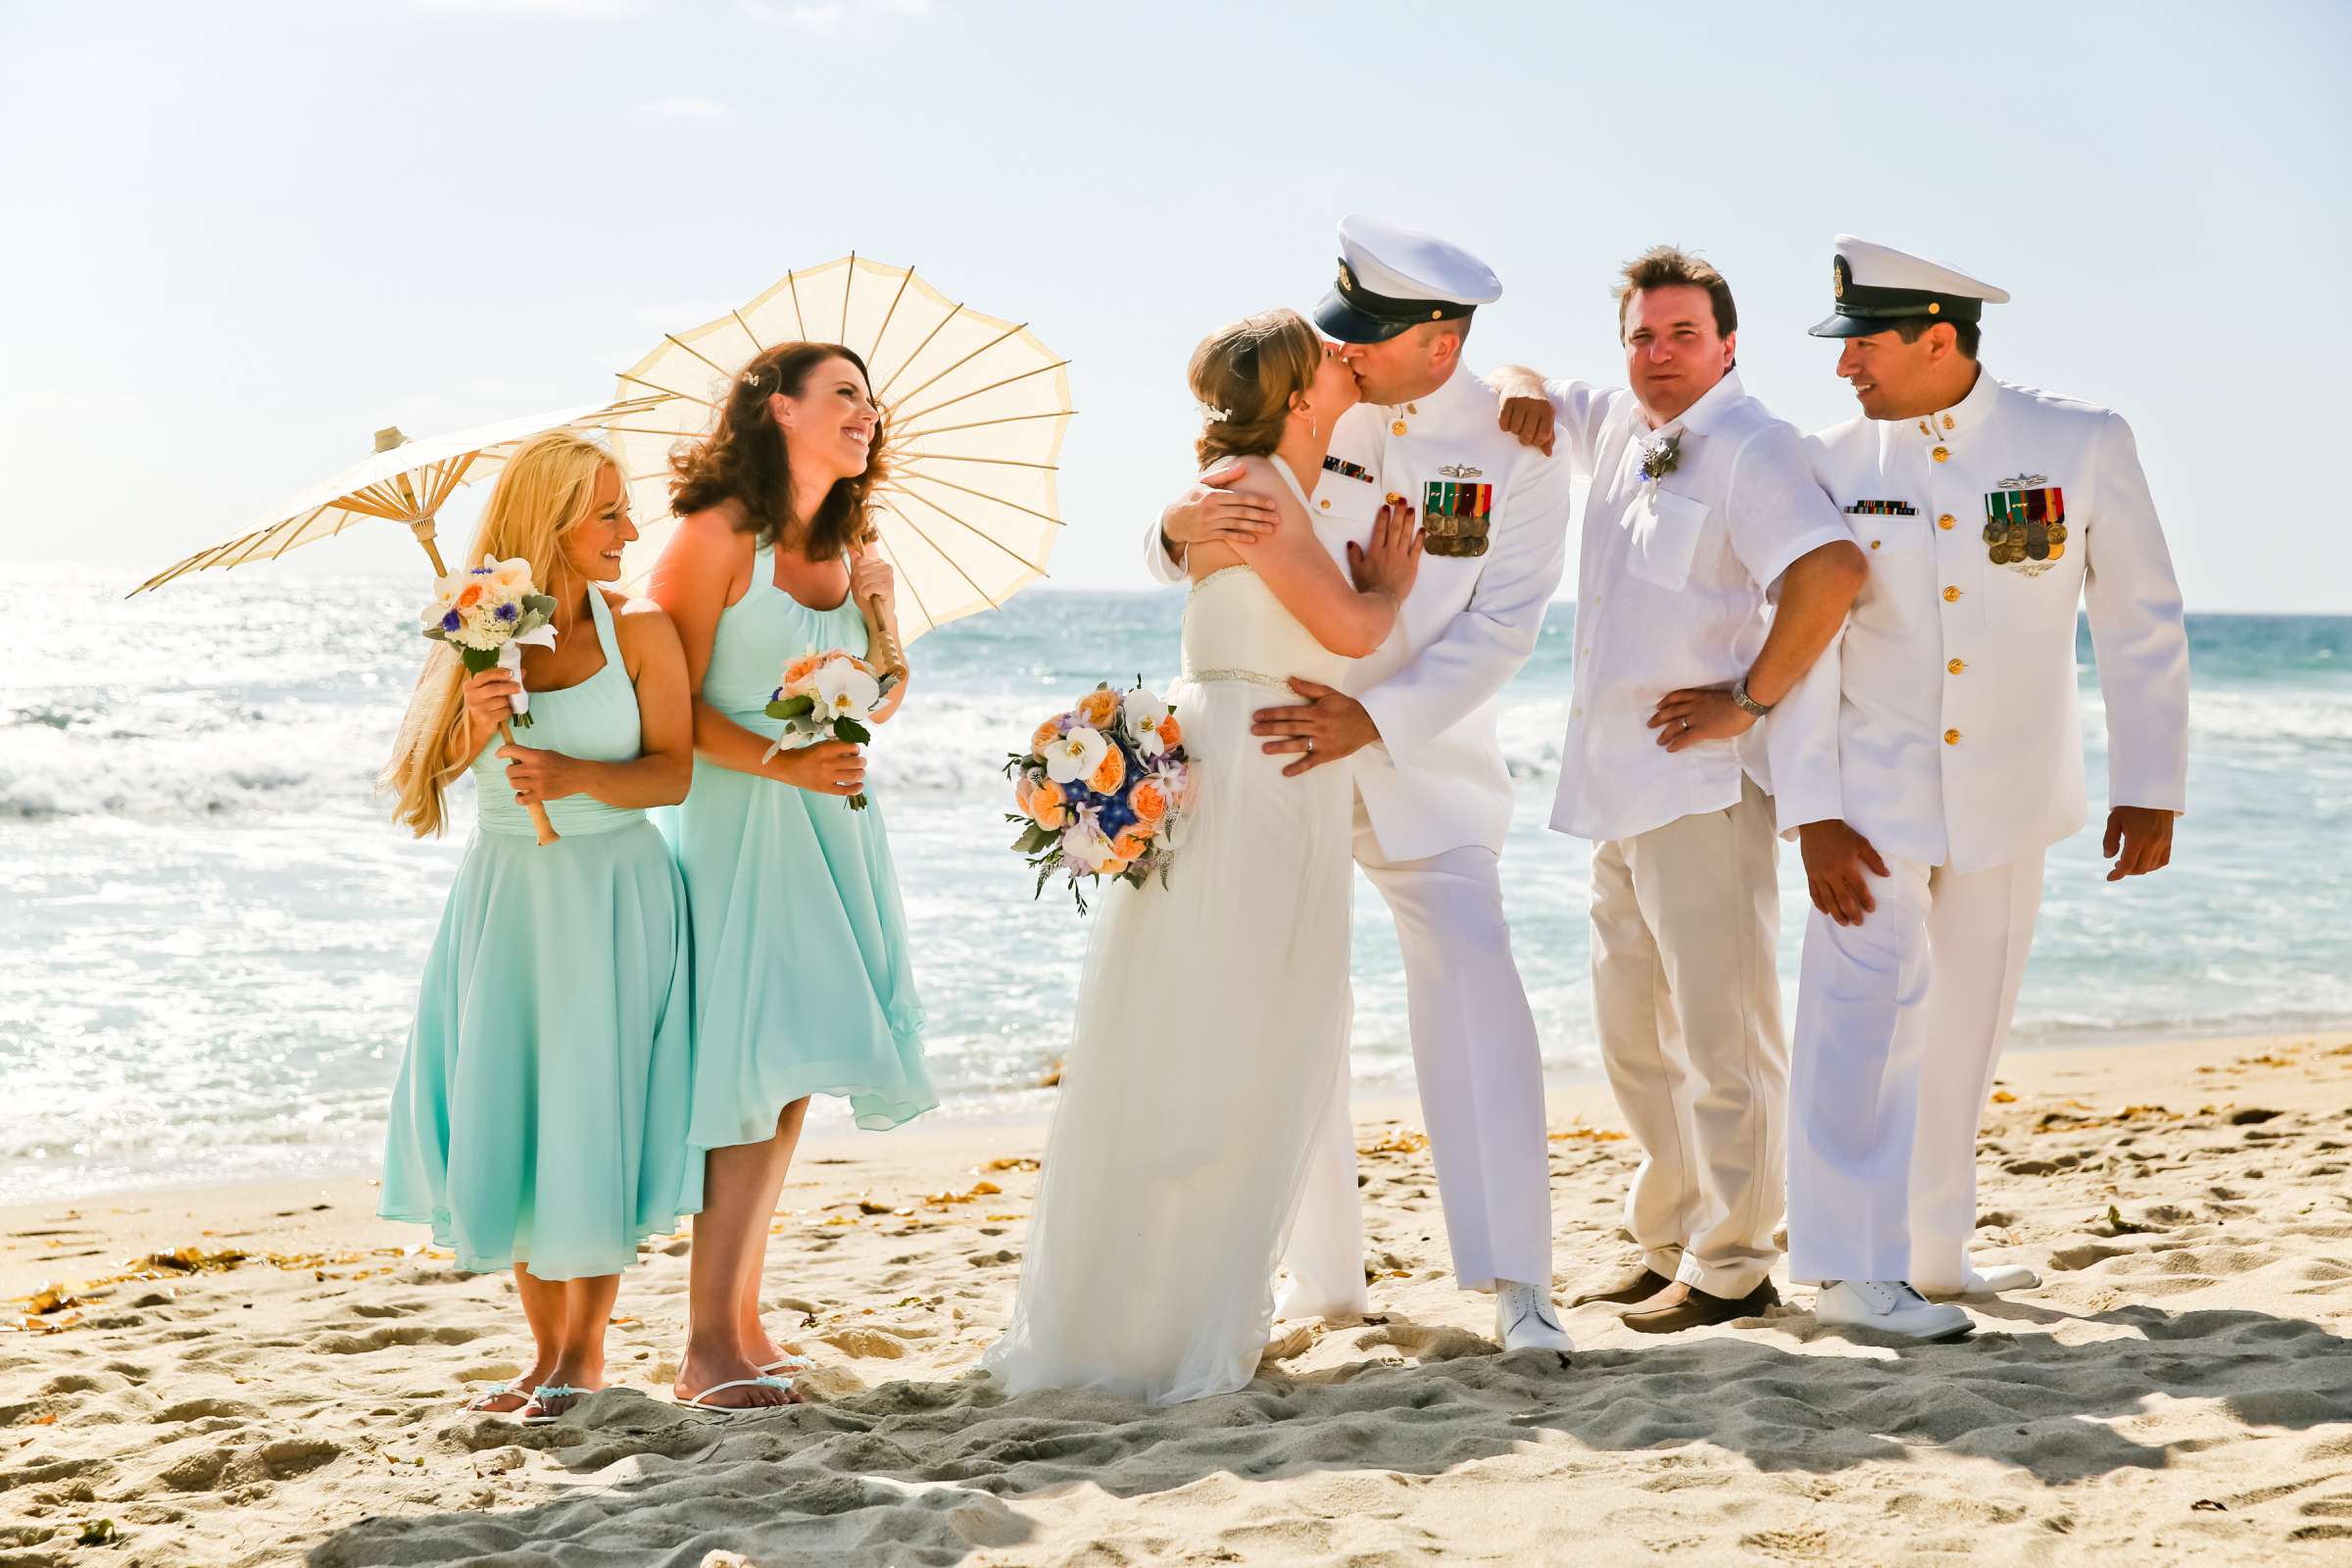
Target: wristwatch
x=1739 y=696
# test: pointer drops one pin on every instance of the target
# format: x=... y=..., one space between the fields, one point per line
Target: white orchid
x=1145 y=713
x=1075 y=755
x=843 y=690
x=1085 y=847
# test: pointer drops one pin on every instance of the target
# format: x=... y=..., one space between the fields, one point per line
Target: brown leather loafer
x=1686 y=1307
x=1625 y=1292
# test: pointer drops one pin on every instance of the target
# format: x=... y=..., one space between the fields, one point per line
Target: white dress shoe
x=1524 y=1319
x=1998 y=1280
x=1888 y=1306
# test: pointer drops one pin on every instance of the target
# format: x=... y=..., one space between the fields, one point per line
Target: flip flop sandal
x=790 y=1363
x=497 y=1391
x=550 y=1390
x=698 y=1402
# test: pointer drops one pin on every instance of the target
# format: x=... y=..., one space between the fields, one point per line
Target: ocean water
x=211 y=931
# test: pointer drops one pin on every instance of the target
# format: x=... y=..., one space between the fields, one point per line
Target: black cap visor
x=1342 y=322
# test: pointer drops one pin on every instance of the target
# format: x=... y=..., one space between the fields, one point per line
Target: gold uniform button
x=1947 y=422
x=1951 y=596
x=1398 y=428
x=1957 y=665
x=1923 y=428
x=1942 y=454
x=1944 y=521
x=1395 y=499
x=1325 y=505
x=1874 y=544
x=1951 y=737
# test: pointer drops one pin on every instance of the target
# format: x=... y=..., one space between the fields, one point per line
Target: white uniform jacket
x=1942 y=727
x=1437 y=780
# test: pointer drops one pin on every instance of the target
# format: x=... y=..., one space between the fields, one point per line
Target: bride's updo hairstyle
x=1244 y=376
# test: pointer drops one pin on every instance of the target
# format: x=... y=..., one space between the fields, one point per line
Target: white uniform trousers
x=1686 y=921
x=1481 y=1078
x=1899 y=1023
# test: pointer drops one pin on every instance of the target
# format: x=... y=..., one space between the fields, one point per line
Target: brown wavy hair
x=1248 y=373
x=742 y=459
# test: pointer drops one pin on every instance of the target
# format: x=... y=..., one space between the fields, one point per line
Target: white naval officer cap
x=1392 y=277
x=1877 y=286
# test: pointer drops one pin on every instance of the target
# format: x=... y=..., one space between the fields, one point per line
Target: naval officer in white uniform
x=1416 y=725
x=1929 y=759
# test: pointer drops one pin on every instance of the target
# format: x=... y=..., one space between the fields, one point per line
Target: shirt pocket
x=1665 y=530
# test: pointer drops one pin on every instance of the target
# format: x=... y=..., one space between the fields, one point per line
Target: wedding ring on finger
x=1310 y=746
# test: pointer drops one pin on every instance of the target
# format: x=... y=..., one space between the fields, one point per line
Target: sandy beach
x=266 y=1374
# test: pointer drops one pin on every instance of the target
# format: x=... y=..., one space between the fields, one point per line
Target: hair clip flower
x=1214 y=415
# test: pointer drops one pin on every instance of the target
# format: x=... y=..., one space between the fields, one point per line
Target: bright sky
x=238 y=238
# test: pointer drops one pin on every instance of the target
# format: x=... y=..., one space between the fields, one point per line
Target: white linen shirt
x=1942 y=726
x=1672 y=592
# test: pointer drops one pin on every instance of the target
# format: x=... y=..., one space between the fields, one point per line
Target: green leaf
x=792 y=708
x=477 y=660
x=849 y=729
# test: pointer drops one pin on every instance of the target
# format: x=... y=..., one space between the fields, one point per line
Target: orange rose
x=1129 y=847
x=469 y=596
x=1099 y=708
x=1047 y=734
x=1112 y=867
x=1171 y=733
x=1109 y=773
x=1046 y=806
x=1150 y=800
x=801 y=668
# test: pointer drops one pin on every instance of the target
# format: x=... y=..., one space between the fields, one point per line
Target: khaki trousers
x=1686 y=919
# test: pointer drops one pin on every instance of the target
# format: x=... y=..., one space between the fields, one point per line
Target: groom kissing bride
x=1203 y=1136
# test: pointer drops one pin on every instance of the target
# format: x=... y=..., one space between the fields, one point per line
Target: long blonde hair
x=547 y=489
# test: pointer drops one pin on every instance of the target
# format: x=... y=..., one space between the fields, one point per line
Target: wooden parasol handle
x=547 y=829
x=881 y=636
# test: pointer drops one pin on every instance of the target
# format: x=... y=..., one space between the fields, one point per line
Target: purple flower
x=451 y=622
x=508 y=611
x=481 y=572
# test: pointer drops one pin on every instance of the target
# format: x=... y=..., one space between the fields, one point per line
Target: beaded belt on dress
x=1203 y=677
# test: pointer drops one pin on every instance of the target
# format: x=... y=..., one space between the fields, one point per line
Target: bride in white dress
x=1213 y=1017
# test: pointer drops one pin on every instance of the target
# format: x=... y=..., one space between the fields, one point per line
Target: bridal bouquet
x=1100 y=788
x=490 y=616
x=828 y=697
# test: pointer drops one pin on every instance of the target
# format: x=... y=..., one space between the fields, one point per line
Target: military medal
x=2025 y=521
x=1346 y=469
x=1454 y=517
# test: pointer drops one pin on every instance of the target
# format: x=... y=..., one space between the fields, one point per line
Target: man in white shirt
x=1933 y=755
x=1714 y=571
x=1415 y=725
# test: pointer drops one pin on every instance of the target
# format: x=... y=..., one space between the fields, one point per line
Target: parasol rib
x=792 y=283
x=757 y=347
x=849 y=279
x=1000 y=337
x=884 y=330
x=943 y=556
x=933 y=478
x=975 y=531
x=699 y=355
x=941 y=325
x=907 y=577
x=668 y=391
x=976 y=425
x=948 y=403
x=957 y=456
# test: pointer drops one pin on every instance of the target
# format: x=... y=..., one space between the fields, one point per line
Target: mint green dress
x=541 y=1111
x=803 y=976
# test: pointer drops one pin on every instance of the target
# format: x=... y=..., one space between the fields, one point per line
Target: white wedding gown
x=1210 y=1045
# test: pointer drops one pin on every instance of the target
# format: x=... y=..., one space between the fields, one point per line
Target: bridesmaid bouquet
x=489 y=615
x=1100 y=789
x=828 y=697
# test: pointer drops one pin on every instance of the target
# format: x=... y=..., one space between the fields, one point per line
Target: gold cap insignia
x=1346 y=278
x=1837 y=277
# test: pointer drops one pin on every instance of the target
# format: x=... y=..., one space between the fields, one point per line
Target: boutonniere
x=1660 y=458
